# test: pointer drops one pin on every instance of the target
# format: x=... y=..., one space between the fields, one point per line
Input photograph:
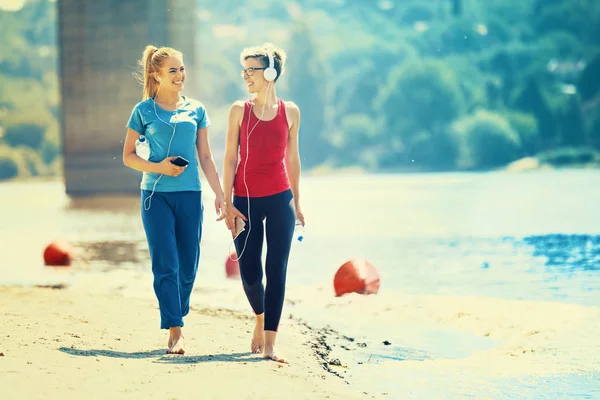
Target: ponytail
x=152 y=59
x=150 y=84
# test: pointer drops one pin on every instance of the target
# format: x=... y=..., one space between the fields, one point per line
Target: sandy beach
x=459 y=316
x=533 y=338
x=58 y=344
x=77 y=342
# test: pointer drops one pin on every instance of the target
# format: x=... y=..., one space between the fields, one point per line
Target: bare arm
x=230 y=161
x=207 y=163
x=292 y=157
x=133 y=161
x=231 y=149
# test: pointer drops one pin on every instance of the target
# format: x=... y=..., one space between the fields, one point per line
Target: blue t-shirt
x=187 y=120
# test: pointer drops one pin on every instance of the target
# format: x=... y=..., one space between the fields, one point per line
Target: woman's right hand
x=229 y=216
x=165 y=167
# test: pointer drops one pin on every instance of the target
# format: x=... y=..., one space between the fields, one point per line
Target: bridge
x=100 y=43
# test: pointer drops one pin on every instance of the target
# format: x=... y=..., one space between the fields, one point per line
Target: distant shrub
x=527 y=128
x=9 y=166
x=420 y=95
x=51 y=147
x=569 y=156
x=28 y=134
x=488 y=140
x=32 y=161
x=20 y=162
x=433 y=151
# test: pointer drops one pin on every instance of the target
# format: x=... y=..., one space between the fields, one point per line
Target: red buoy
x=232 y=268
x=356 y=276
x=58 y=254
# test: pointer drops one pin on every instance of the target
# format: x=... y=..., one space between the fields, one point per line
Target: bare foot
x=176 y=341
x=270 y=355
x=177 y=347
x=258 y=338
x=269 y=352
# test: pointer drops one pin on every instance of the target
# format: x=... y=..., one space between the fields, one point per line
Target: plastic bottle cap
x=142 y=138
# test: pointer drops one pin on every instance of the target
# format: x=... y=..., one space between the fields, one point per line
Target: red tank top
x=267 y=142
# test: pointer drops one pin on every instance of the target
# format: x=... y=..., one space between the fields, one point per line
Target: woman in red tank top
x=262 y=188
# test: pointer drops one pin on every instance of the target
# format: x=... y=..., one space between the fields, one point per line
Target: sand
x=59 y=344
x=532 y=338
x=93 y=340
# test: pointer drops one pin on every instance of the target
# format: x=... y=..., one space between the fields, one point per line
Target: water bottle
x=142 y=147
x=299 y=230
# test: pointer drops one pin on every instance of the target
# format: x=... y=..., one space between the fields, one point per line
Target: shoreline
x=522 y=165
x=533 y=339
x=75 y=344
x=471 y=341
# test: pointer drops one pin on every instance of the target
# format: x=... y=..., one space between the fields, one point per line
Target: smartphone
x=240 y=225
x=180 y=161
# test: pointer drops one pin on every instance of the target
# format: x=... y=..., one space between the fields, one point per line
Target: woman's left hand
x=299 y=215
x=220 y=207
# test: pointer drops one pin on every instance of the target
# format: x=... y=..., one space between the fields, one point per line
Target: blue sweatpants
x=173 y=226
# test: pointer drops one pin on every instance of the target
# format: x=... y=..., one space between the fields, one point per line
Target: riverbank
x=60 y=344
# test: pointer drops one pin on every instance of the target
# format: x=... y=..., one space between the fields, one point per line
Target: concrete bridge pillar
x=100 y=42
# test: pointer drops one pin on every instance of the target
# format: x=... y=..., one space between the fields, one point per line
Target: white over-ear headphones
x=270 y=73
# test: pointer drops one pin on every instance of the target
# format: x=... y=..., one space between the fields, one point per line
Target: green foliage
x=417 y=12
x=532 y=100
x=31 y=161
x=51 y=147
x=570 y=156
x=593 y=127
x=431 y=151
x=525 y=125
x=420 y=95
x=589 y=80
x=380 y=85
x=488 y=140
x=29 y=134
x=9 y=166
x=571 y=124
x=23 y=162
x=356 y=131
x=312 y=103
x=29 y=100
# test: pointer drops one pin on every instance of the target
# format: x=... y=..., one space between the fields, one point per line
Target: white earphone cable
x=250 y=112
x=174 y=126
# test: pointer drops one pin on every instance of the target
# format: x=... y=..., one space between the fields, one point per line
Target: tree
x=420 y=95
x=531 y=100
x=571 y=124
x=456 y=7
x=418 y=102
x=589 y=80
x=308 y=89
x=488 y=140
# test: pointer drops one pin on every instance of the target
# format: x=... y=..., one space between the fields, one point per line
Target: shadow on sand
x=166 y=358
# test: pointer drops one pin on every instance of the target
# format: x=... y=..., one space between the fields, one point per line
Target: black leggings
x=279 y=212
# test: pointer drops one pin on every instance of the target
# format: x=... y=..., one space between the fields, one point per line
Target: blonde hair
x=260 y=53
x=150 y=64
